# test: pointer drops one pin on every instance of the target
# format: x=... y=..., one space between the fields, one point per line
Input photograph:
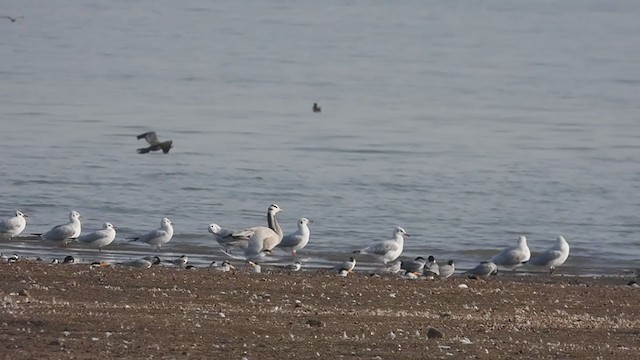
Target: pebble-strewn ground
x=73 y=311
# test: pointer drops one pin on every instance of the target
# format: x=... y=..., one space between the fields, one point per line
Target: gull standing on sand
x=514 y=256
x=297 y=240
x=261 y=238
x=484 y=269
x=13 y=226
x=387 y=250
x=65 y=232
x=100 y=238
x=554 y=256
x=447 y=270
x=160 y=236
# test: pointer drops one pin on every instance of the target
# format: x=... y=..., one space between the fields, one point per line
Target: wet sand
x=71 y=310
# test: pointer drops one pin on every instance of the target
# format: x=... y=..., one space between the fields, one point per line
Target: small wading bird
x=447 y=269
x=224 y=267
x=431 y=268
x=145 y=262
x=346 y=267
x=483 y=270
x=155 y=143
x=413 y=266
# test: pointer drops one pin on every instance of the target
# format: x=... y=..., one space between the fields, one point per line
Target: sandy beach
x=75 y=311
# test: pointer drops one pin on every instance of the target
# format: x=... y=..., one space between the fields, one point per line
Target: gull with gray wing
x=154 y=143
x=64 y=233
x=100 y=238
x=388 y=250
x=159 y=236
x=13 y=226
x=297 y=240
x=554 y=256
x=514 y=256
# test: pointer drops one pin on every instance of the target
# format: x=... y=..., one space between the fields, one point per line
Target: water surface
x=466 y=122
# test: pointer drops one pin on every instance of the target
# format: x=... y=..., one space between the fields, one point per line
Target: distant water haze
x=467 y=123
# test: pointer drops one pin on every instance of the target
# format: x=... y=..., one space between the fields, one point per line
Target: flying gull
x=154 y=143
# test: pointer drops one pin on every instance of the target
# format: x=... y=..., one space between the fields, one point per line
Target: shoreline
x=201 y=255
x=64 y=310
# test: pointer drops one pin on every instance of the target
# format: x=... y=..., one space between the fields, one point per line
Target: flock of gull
x=256 y=243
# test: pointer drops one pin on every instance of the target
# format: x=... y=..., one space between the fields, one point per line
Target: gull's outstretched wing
x=150 y=137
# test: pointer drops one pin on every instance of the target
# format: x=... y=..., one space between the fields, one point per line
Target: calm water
x=466 y=122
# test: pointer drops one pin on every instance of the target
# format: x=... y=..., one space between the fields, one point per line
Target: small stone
x=24 y=292
x=315 y=323
x=463 y=286
x=434 y=333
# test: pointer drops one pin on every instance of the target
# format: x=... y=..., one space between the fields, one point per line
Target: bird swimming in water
x=316 y=108
x=154 y=143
